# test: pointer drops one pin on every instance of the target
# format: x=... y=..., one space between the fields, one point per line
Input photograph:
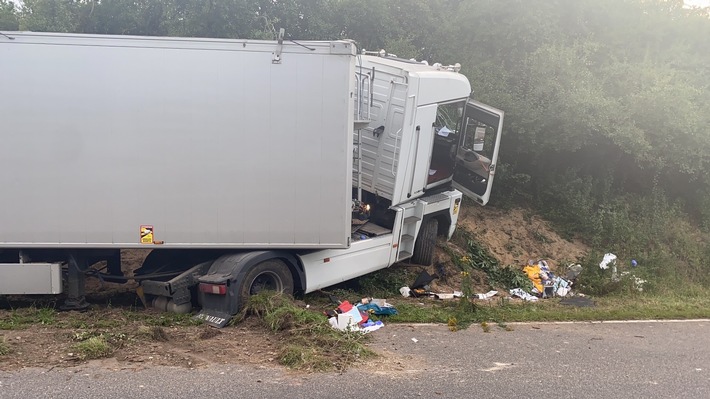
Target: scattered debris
x=608 y=258
x=377 y=307
x=573 y=271
x=487 y=295
x=420 y=287
x=370 y=326
x=546 y=283
x=638 y=282
x=533 y=271
x=455 y=294
x=349 y=320
x=347 y=317
x=423 y=281
x=518 y=292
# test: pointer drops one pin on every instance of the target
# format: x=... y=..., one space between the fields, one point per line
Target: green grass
x=110 y=318
x=95 y=347
x=636 y=307
x=94 y=344
x=25 y=317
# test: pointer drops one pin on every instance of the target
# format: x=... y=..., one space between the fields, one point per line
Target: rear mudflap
x=213 y=318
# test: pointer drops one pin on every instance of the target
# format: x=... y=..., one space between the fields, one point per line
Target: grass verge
x=307 y=341
x=25 y=317
x=21 y=318
x=638 y=307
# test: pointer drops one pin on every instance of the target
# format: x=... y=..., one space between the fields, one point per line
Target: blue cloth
x=380 y=311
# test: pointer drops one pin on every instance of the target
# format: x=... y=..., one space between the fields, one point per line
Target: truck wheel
x=426 y=241
x=271 y=275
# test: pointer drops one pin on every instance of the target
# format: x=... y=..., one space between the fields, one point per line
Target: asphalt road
x=581 y=360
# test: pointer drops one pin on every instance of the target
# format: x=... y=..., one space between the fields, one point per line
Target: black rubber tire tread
x=276 y=268
x=425 y=244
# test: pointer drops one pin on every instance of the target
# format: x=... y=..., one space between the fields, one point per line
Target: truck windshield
x=448 y=118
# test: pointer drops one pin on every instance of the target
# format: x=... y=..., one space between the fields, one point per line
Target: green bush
x=650 y=228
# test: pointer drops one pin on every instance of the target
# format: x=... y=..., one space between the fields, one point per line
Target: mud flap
x=215 y=319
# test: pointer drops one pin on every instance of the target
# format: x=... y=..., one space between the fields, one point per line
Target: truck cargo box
x=120 y=142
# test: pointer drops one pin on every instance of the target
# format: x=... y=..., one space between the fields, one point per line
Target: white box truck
x=243 y=165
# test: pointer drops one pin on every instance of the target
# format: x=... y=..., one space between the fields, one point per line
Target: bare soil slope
x=516 y=236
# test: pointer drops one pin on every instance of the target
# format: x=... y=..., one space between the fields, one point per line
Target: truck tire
x=426 y=241
x=272 y=275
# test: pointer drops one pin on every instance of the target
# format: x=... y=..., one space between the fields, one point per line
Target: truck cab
x=425 y=132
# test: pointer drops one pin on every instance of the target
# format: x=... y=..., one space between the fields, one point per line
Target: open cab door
x=477 y=153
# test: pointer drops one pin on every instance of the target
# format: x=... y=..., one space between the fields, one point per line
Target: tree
x=50 y=15
x=8 y=16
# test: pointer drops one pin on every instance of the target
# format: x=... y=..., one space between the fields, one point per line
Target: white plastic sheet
x=608 y=258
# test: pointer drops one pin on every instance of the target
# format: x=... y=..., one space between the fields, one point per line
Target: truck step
x=432 y=199
x=412 y=219
x=404 y=255
x=361 y=123
x=407 y=238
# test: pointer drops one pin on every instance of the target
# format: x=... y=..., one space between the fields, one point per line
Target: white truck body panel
x=328 y=267
x=31 y=278
x=207 y=142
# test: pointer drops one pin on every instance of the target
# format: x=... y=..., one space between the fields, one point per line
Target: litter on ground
x=349 y=317
x=546 y=283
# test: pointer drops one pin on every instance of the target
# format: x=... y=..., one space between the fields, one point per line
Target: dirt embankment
x=516 y=236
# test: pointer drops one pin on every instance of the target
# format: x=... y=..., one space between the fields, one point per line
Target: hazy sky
x=702 y=3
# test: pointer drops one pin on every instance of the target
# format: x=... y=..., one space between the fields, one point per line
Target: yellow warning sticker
x=456 y=205
x=146 y=234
